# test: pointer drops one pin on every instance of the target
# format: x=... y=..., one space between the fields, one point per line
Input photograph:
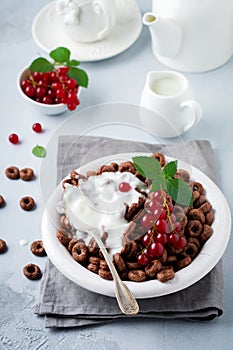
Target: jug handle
x=197 y=112
x=107 y=8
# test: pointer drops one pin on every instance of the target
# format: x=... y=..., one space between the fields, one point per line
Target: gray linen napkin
x=65 y=304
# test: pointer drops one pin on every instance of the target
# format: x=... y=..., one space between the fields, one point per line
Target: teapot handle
x=197 y=112
x=105 y=6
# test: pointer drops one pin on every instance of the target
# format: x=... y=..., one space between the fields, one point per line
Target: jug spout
x=166 y=34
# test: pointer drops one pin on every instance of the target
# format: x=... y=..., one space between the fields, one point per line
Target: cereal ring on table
x=209 y=218
x=26 y=174
x=166 y=274
x=93 y=268
x=191 y=250
x=3 y=246
x=27 y=203
x=206 y=207
x=2 y=201
x=184 y=262
x=63 y=238
x=104 y=265
x=133 y=265
x=12 y=173
x=119 y=262
x=207 y=232
x=94 y=260
x=194 y=228
x=194 y=241
x=199 y=201
x=197 y=214
x=127 y=166
x=37 y=248
x=182 y=174
x=105 y=274
x=80 y=252
x=32 y=272
x=153 y=268
x=196 y=186
x=91 y=173
x=160 y=157
x=137 y=275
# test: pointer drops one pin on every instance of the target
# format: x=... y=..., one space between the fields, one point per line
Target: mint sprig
x=163 y=179
x=61 y=57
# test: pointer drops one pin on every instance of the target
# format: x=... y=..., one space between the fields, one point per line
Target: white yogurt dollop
x=98 y=203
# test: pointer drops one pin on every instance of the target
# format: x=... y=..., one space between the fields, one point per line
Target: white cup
x=170 y=97
x=86 y=20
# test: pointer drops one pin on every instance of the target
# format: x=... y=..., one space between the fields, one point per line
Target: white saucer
x=48 y=35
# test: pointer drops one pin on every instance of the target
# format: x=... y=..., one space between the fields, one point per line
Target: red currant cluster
x=162 y=226
x=52 y=88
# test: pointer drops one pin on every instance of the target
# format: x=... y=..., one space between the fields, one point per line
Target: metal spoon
x=125 y=298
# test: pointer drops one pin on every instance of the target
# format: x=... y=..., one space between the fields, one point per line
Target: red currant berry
x=124 y=187
x=41 y=91
x=51 y=93
x=180 y=243
x=46 y=78
x=57 y=100
x=25 y=83
x=14 y=138
x=37 y=127
x=170 y=207
x=47 y=100
x=36 y=76
x=161 y=238
x=56 y=85
x=63 y=70
x=61 y=93
x=159 y=196
x=178 y=227
x=143 y=259
x=71 y=106
x=71 y=83
x=163 y=215
x=172 y=218
x=146 y=239
x=152 y=206
x=161 y=226
x=77 y=102
x=53 y=76
x=30 y=91
x=71 y=97
x=147 y=221
x=173 y=237
x=156 y=249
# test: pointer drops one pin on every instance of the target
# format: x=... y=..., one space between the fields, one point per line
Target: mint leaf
x=79 y=75
x=147 y=166
x=159 y=183
x=170 y=169
x=74 y=63
x=60 y=54
x=41 y=65
x=180 y=192
x=39 y=151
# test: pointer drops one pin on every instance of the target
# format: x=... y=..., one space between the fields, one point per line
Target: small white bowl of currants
x=53 y=87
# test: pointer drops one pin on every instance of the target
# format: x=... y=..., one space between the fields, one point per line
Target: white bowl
x=42 y=107
x=207 y=258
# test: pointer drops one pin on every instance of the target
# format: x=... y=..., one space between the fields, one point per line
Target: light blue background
x=119 y=79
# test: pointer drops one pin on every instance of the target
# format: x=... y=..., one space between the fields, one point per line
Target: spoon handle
x=125 y=298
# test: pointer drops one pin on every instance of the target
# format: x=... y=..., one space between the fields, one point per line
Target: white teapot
x=191 y=35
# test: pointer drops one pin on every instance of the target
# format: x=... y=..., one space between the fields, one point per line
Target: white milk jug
x=191 y=35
